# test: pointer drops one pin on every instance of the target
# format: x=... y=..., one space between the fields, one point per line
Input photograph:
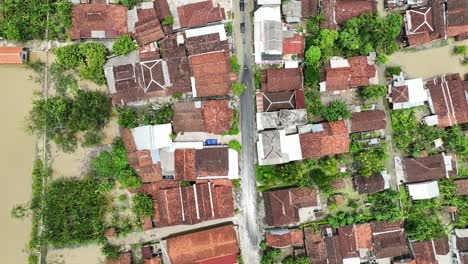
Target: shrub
x=390 y=71
x=128 y=179
x=271 y=256
x=130 y=3
x=234 y=124
x=168 y=21
x=142 y=205
x=111 y=252
x=128 y=117
x=178 y=96
x=228 y=27
x=238 y=88
x=312 y=56
x=91 y=138
x=371 y=161
x=235 y=67
x=236 y=183
x=235 y=145
x=372 y=92
x=336 y=110
x=123 y=45
x=460 y=50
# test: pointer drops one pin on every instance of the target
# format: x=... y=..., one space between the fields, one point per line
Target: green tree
x=142 y=205
x=111 y=252
x=235 y=67
x=123 y=45
x=168 y=21
x=271 y=256
x=91 y=110
x=336 y=110
x=372 y=92
x=235 y=145
x=238 y=88
x=128 y=117
x=69 y=56
x=384 y=206
x=370 y=161
x=128 y=179
x=130 y=3
x=312 y=56
x=228 y=27
x=460 y=50
x=297 y=260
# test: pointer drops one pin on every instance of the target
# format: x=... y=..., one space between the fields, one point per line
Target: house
x=429 y=168
x=147 y=28
x=202 y=163
x=289 y=119
x=389 y=240
x=336 y=12
x=198 y=14
x=206 y=39
x=290 y=206
x=367 y=121
x=343 y=74
x=377 y=182
x=431 y=252
x=392 y=4
x=325 y=139
x=276 y=147
x=283 y=238
x=211 y=74
x=281 y=79
x=211 y=116
x=133 y=80
x=98 y=21
x=214 y=245
x=293 y=45
x=422 y=174
x=457 y=22
x=13 y=55
x=449 y=100
x=315 y=245
x=268 y=34
x=192 y=204
x=425 y=24
x=460 y=240
x=462 y=186
x=276 y=101
x=407 y=93
x=124 y=258
x=292 y=11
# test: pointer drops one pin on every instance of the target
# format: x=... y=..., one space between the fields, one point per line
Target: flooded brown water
x=16 y=159
x=429 y=63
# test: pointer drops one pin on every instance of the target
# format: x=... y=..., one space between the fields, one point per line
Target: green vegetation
x=68 y=204
x=238 y=88
x=234 y=124
x=235 y=145
x=123 y=45
x=423 y=221
x=236 y=183
x=178 y=96
x=89 y=58
x=133 y=117
x=235 y=67
x=143 y=205
x=449 y=197
x=27 y=20
x=390 y=71
x=228 y=27
x=313 y=55
x=113 y=165
x=373 y=92
x=306 y=173
x=297 y=260
x=411 y=137
x=369 y=161
x=257 y=77
x=271 y=256
x=168 y=21
x=336 y=110
x=63 y=117
x=460 y=50
x=110 y=252
x=130 y=3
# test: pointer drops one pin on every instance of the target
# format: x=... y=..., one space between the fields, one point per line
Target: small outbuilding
x=13 y=55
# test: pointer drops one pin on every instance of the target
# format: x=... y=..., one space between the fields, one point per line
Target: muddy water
x=90 y=254
x=17 y=150
x=431 y=62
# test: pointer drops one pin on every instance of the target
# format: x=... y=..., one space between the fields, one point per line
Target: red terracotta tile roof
x=424 y=252
x=282 y=206
x=347 y=242
x=309 y=8
x=368 y=121
x=228 y=259
x=272 y=102
x=462 y=186
x=333 y=250
x=86 y=18
x=448 y=94
x=427 y=168
x=357 y=74
x=202 y=245
x=442 y=246
x=199 y=14
x=315 y=246
x=457 y=18
x=187 y=118
x=184 y=164
x=155 y=260
x=333 y=140
x=212 y=161
x=336 y=12
x=212 y=73
x=294 y=45
x=148 y=28
x=162 y=9
x=124 y=258
x=282 y=79
x=364 y=235
x=217 y=116
x=400 y=94
x=205 y=43
x=293 y=238
x=389 y=239
x=11 y=55
x=425 y=24
x=372 y=184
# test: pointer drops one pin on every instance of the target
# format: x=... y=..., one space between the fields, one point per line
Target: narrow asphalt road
x=248 y=219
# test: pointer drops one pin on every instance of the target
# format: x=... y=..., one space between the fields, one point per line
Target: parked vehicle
x=242 y=27
x=241 y=5
x=211 y=142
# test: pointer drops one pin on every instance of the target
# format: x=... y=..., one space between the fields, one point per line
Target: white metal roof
x=233 y=164
x=268 y=2
x=339 y=62
x=152 y=137
x=207 y=30
x=416 y=91
x=290 y=145
x=352 y=261
x=268 y=32
x=423 y=190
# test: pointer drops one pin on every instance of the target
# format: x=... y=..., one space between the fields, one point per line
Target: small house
x=13 y=55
